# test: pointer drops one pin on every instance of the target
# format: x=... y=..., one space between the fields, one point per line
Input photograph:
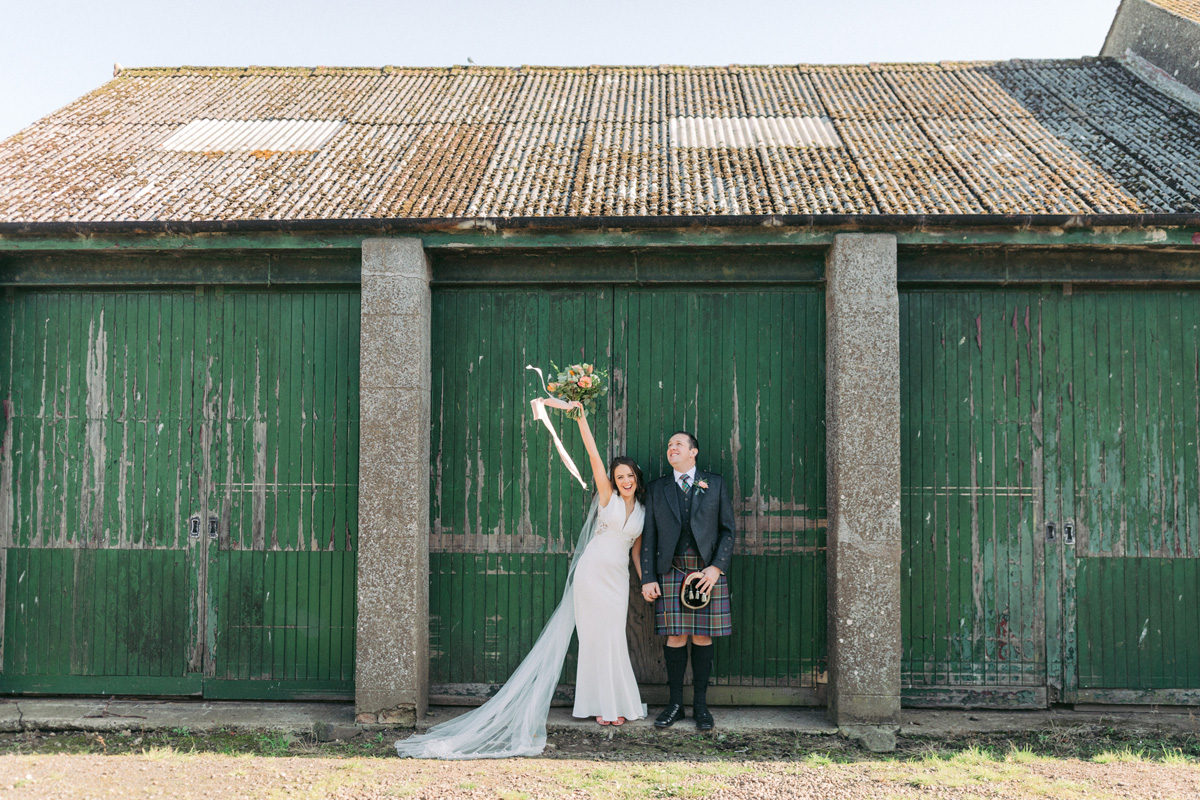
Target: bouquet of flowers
x=582 y=382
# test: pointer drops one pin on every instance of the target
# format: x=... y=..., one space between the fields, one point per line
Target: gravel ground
x=1065 y=763
x=169 y=774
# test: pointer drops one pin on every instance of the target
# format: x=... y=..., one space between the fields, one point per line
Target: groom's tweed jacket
x=712 y=524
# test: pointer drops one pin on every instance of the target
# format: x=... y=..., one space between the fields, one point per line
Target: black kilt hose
x=670 y=551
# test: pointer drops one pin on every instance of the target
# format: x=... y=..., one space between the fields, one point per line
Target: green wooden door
x=1051 y=506
x=744 y=370
x=973 y=592
x=1122 y=420
x=177 y=499
x=749 y=381
x=504 y=512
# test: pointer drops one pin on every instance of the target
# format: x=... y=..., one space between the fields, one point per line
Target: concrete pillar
x=392 y=650
x=862 y=394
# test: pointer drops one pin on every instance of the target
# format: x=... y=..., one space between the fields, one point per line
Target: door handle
x=1050 y=531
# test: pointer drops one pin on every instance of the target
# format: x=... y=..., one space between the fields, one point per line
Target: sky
x=58 y=50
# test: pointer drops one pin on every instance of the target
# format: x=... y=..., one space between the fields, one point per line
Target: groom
x=688 y=528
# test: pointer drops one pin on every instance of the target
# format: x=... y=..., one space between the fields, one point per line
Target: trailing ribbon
x=539 y=413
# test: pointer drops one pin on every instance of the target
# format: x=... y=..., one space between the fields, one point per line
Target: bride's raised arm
x=604 y=489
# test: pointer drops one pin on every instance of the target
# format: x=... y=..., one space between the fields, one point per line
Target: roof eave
x=375 y=227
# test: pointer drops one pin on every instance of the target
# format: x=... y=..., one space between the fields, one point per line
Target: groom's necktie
x=685 y=483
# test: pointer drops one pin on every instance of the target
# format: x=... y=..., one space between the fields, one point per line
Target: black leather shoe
x=704 y=718
x=669 y=716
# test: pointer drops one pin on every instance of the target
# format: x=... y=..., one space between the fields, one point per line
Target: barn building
x=266 y=427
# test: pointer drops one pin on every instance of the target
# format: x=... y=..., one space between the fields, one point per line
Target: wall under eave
x=1167 y=40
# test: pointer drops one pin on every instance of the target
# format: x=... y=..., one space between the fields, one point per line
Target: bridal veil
x=513 y=721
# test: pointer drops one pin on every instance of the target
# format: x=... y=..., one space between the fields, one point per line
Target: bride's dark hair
x=639 y=491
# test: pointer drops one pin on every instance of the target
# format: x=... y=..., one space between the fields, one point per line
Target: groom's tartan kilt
x=673 y=619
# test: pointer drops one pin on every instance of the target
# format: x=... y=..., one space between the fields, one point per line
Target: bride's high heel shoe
x=603 y=721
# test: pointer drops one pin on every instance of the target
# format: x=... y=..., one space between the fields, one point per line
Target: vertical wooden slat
x=1071 y=347
x=1189 y=672
x=907 y=464
x=1053 y=390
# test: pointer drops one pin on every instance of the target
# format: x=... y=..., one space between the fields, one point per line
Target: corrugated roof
x=1184 y=8
x=1023 y=137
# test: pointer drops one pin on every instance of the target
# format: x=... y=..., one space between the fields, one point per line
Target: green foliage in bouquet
x=582 y=382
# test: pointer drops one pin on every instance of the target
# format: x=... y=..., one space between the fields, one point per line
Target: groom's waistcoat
x=686 y=539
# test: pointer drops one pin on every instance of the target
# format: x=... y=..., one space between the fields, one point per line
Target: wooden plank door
x=504 y=512
x=101 y=589
x=749 y=380
x=973 y=593
x=1123 y=495
x=279 y=437
x=744 y=369
x=176 y=503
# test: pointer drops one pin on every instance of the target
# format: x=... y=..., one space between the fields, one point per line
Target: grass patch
x=976 y=766
x=979 y=752
x=1176 y=757
x=1023 y=754
x=275 y=744
x=1125 y=756
x=649 y=780
x=164 y=753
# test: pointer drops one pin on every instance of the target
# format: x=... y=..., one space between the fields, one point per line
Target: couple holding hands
x=680 y=531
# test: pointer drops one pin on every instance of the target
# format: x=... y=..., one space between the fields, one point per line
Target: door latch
x=195 y=525
x=1068 y=533
x=1050 y=527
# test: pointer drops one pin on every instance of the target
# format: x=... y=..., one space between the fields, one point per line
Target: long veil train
x=513 y=721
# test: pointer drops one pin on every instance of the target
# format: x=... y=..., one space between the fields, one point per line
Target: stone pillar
x=392 y=650
x=862 y=395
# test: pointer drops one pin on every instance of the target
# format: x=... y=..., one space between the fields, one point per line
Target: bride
x=596 y=600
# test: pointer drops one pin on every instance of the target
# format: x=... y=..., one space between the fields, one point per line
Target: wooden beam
x=974 y=697
x=483 y=237
x=475 y=694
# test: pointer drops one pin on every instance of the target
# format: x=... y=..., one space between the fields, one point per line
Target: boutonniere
x=701 y=485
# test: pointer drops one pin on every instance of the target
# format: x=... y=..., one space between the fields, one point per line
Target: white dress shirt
x=691 y=476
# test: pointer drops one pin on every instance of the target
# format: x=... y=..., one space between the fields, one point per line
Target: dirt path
x=1069 y=763
x=162 y=772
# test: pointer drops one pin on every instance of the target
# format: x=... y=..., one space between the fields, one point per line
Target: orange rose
x=585 y=382
x=587 y=368
x=552 y=387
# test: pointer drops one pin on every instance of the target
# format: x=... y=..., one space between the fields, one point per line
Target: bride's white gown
x=513 y=722
x=604 y=682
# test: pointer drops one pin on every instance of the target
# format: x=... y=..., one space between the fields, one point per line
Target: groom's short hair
x=692 y=439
